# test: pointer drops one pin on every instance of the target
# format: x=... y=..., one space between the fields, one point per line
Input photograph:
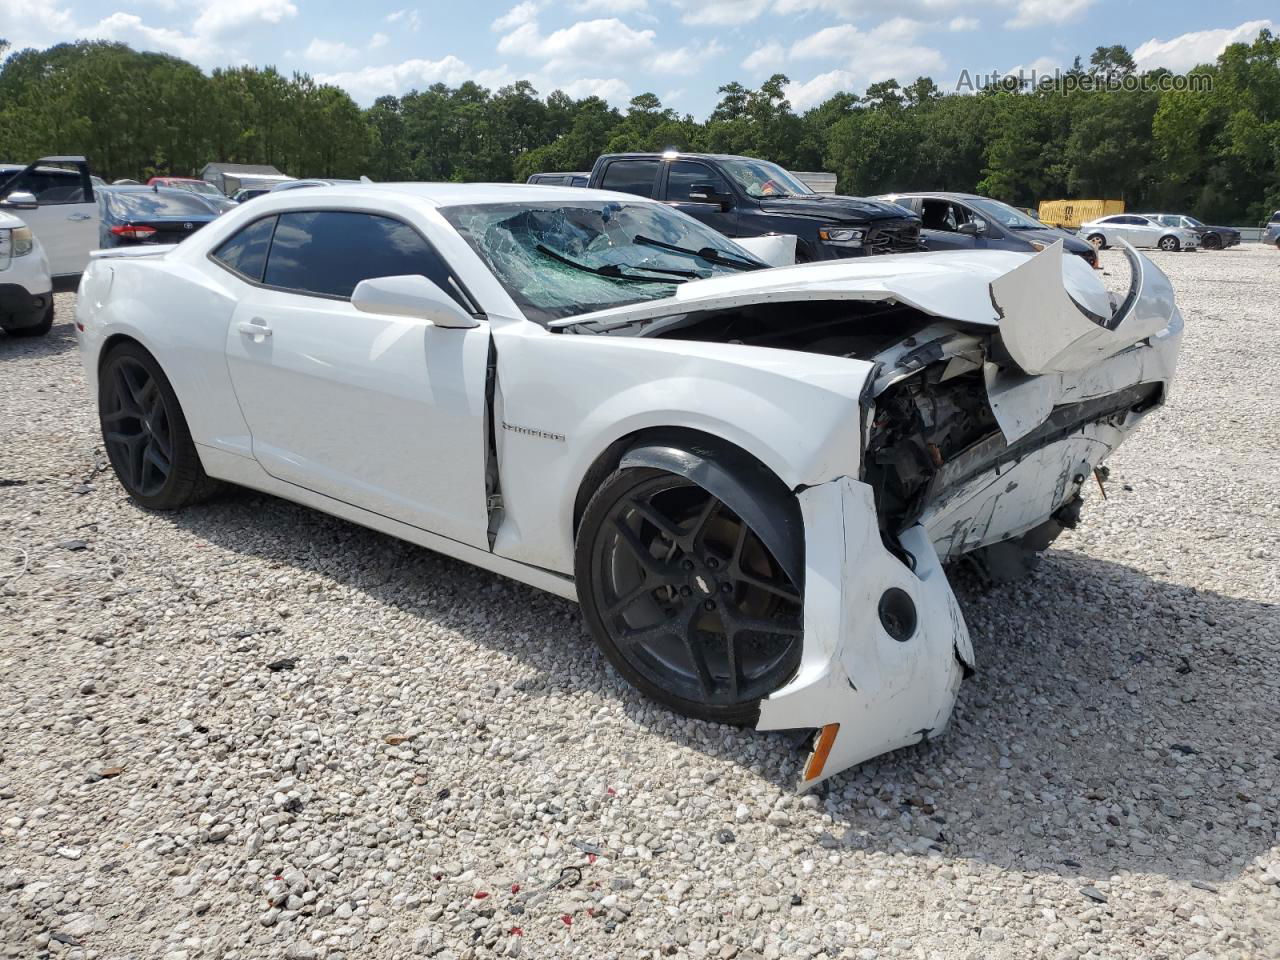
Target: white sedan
x=749 y=477
x=1139 y=231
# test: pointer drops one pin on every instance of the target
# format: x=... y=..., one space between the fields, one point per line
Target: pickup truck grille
x=893 y=238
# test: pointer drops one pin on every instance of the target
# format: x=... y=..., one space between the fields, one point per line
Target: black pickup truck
x=745 y=197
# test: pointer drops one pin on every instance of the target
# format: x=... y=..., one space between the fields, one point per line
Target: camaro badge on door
x=530 y=432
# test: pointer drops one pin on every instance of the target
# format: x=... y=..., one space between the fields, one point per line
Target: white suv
x=54 y=197
x=26 y=289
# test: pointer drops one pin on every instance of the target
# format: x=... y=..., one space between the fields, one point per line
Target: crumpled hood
x=1053 y=312
x=951 y=284
x=836 y=209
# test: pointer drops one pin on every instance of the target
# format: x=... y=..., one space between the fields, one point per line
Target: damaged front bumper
x=885 y=643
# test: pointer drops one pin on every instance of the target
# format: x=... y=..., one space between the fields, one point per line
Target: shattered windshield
x=559 y=261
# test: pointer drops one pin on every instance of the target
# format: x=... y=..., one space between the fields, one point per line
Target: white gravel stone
x=443 y=733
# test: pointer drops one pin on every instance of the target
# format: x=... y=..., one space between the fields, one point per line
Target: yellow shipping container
x=1072 y=213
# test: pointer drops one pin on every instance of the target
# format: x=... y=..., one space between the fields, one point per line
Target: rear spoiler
x=119 y=253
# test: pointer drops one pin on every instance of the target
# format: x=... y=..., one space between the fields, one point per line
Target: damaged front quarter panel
x=974 y=444
x=885 y=646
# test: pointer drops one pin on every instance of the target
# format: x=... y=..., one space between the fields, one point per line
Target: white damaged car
x=749 y=477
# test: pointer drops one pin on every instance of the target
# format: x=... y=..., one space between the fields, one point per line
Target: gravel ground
x=253 y=731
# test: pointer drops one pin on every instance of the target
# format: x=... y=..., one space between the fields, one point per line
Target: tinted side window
x=328 y=252
x=50 y=187
x=685 y=173
x=631 y=176
x=246 y=252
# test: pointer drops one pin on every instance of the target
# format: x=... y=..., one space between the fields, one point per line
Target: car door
x=384 y=412
x=1140 y=231
x=65 y=218
x=687 y=177
x=940 y=221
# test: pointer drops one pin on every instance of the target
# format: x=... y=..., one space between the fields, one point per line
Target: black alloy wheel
x=684 y=598
x=145 y=433
x=1211 y=241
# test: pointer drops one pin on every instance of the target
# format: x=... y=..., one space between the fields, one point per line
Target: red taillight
x=133 y=232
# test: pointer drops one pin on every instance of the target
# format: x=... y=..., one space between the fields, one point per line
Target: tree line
x=1211 y=148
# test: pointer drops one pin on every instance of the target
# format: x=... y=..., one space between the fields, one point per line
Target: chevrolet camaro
x=749 y=476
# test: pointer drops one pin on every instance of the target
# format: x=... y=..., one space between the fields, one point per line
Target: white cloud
x=820 y=88
x=518 y=15
x=128 y=28
x=763 y=59
x=685 y=60
x=1039 y=13
x=378 y=40
x=958 y=24
x=327 y=51
x=611 y=6
x=881 y=53
x=581 y=45
x=1033 y=71
x=230 y=16
x=1191 y=49
x=609 y=88
x=35 y=23
x=368 y=83
x=722 y=12
x=407 y=17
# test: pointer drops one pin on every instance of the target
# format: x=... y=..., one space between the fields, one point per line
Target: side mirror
x=21 y=200
x=413 y=296
x=707 y=193
x=969 y=229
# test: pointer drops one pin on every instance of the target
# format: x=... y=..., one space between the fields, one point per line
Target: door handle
x=256 y=329
x=79 y=216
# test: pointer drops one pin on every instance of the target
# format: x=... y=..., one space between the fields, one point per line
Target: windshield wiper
x=710 y=254
x=614 y=272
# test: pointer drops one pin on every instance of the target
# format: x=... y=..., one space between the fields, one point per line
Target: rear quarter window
x=246 y=252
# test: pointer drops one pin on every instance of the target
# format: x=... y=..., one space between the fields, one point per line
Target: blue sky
x=681 y=50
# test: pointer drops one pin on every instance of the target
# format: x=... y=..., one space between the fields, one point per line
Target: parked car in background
x=1138 y=230
x=1211 y=238
x=749 y=477
x=26 y=286
x=1272 y=232
x=746 y=197
x=560 y=179
x=54 y=196
x=966 y=221
x=309 y=182
x=131 y=216
x=248 y=193
x=202 y=188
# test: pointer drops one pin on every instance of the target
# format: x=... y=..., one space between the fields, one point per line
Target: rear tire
x=145 y=432
x=683 y=597
x=41 y=328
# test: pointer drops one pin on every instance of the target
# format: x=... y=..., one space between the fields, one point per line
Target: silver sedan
x=1139 y=231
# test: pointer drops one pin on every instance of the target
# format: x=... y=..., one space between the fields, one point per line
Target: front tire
x=1170 y=244
x=1098 y=240
x=1212 y=241
x=145 y=432
x=683 y=597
